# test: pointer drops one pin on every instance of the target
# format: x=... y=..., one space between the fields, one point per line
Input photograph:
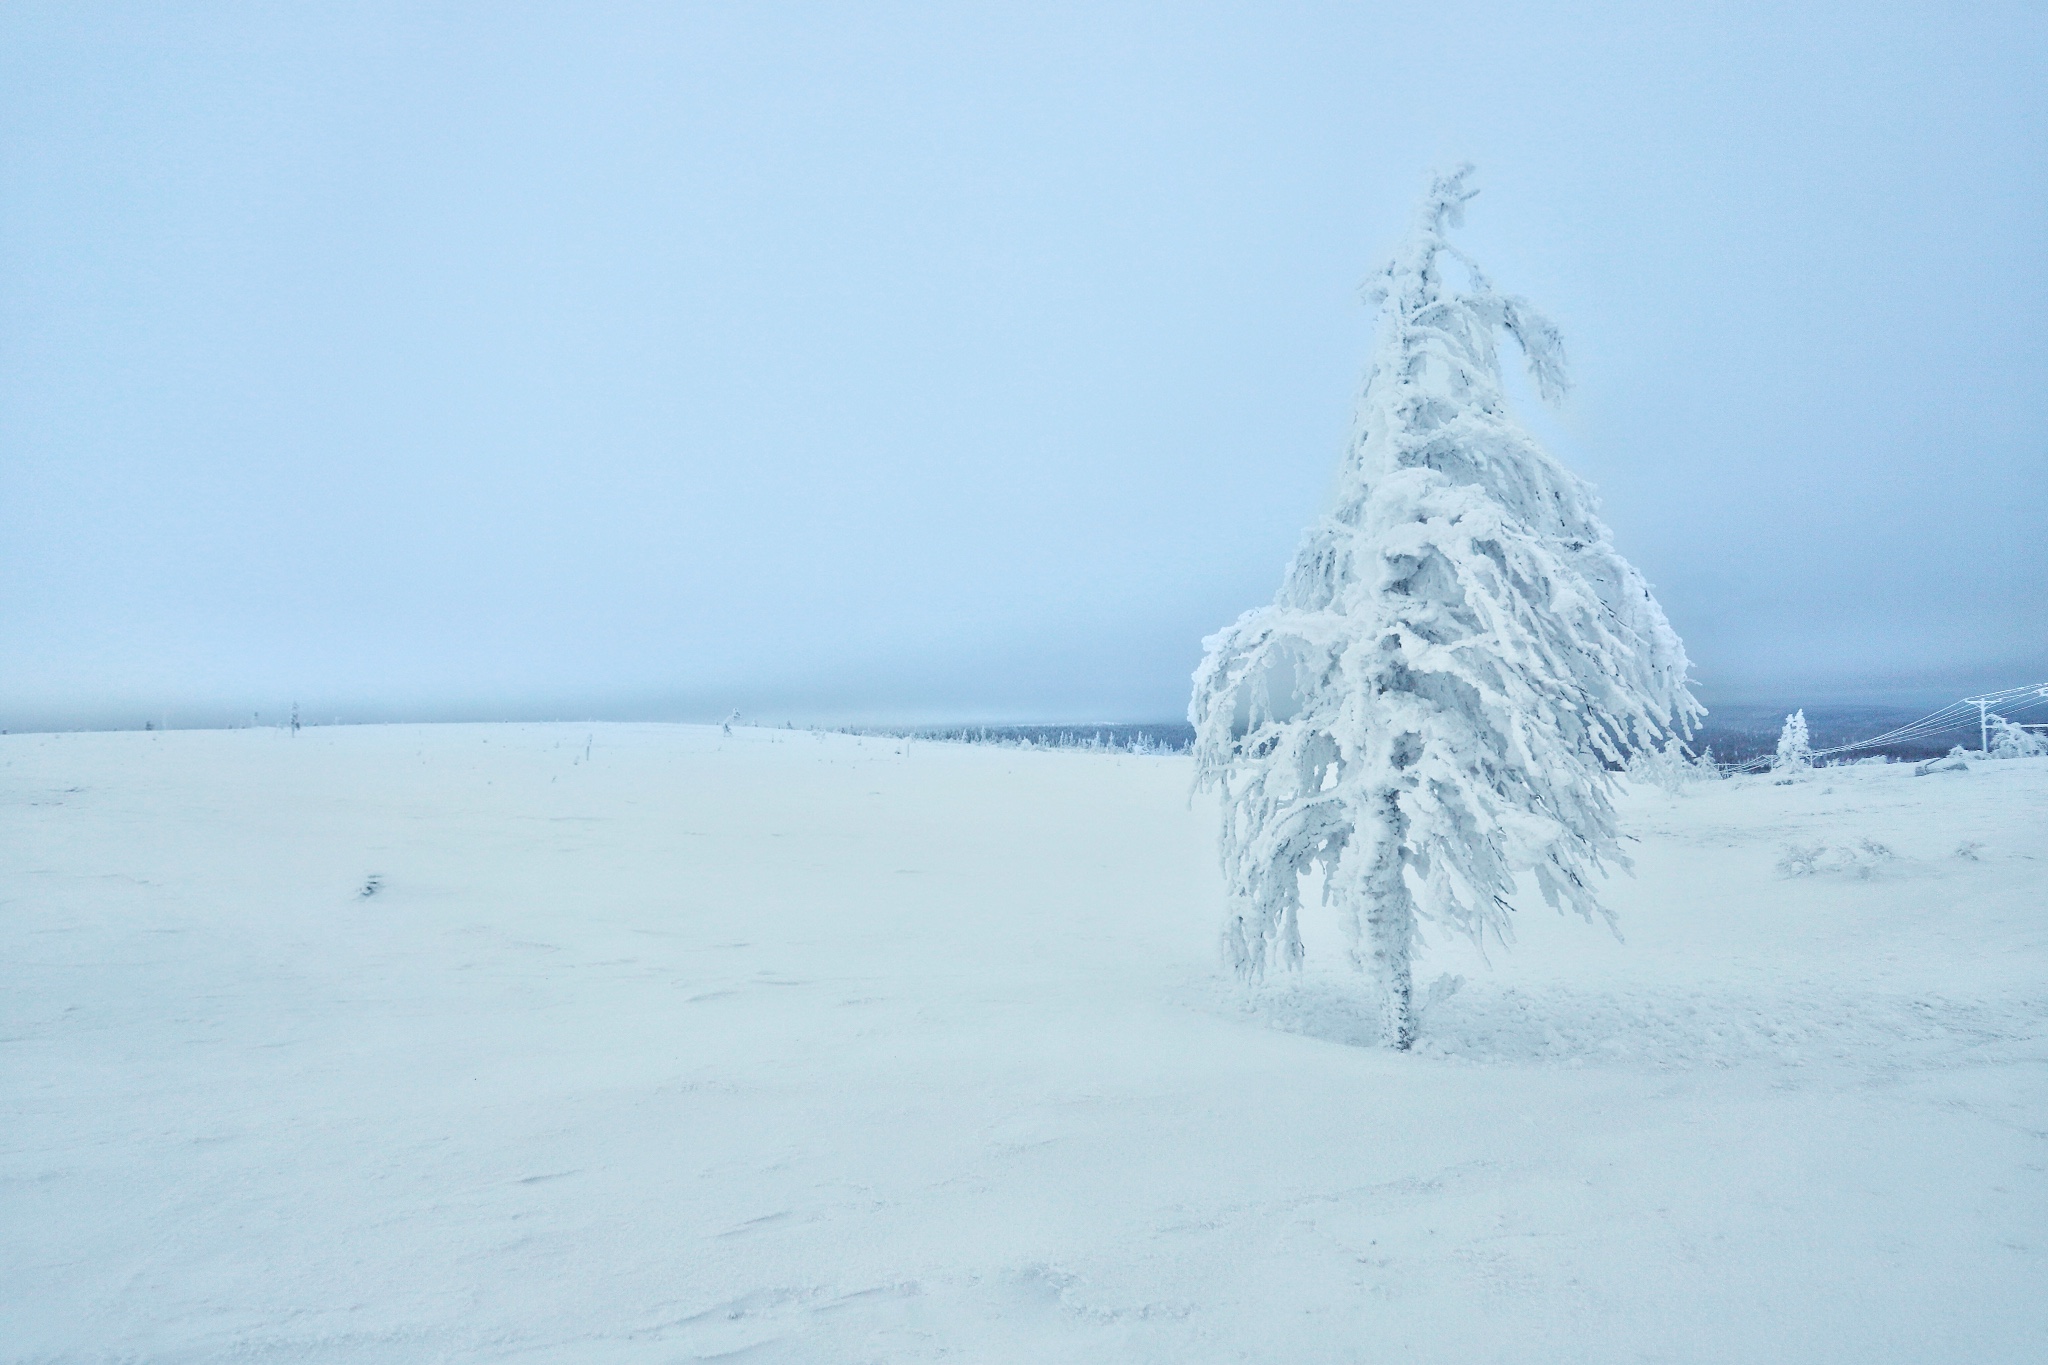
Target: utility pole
x=1983 y=721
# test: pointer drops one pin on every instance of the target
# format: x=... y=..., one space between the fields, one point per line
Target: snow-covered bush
x=1795 y=753
x=2006 y=740
x=1864 y=858
x=1798 y=861
x=1670 y=768
x=1456 y=662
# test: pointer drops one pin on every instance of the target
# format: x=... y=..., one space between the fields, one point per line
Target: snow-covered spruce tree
x=1795 y=751
x=1456 y=662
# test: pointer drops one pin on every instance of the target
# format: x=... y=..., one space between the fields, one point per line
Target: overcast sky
x=871 y=361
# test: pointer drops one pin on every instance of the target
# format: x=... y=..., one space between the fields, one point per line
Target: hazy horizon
x=925 y=365
x=1721 y=713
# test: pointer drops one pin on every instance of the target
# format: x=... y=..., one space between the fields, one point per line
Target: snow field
x=787 y=1047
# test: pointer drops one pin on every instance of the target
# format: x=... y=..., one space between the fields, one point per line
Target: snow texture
x=643 y=1043
x=1456 y=657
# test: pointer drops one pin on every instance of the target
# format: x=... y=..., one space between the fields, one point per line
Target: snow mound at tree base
x=1859 y=919
x=1678 y=1027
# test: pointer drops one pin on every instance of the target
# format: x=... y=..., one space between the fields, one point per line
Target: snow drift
x=529 y=1043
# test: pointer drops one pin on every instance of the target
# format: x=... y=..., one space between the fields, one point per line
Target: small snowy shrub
x=1795 y=753
x=1800 y=862
x=1456 y=662
x=1440 y=990
x=2007 y=740
x=1670 y=768
x=1863 y=859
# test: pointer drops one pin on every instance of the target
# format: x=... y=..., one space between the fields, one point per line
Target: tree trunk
x=1390 y=928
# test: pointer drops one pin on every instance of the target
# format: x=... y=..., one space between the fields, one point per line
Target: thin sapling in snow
x=1456 y=664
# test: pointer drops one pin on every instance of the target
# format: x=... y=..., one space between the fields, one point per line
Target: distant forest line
x=1735 y=733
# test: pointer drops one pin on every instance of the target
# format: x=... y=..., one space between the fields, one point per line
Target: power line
x=1956 y=716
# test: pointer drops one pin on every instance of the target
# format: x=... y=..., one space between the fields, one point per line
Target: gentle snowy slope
x=785 y=1047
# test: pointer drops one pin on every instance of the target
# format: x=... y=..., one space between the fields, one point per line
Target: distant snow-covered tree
x=1795 y=753
x=1456 y=663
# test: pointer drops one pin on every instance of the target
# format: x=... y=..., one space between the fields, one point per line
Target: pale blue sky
x=898 y=362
